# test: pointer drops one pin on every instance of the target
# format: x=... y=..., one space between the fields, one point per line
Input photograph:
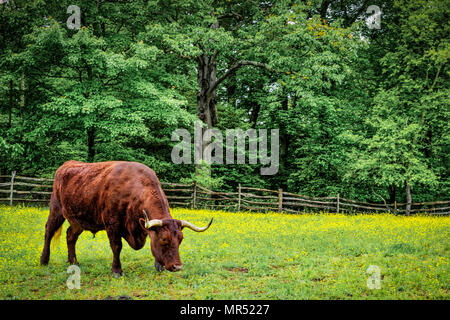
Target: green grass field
x=242 y=256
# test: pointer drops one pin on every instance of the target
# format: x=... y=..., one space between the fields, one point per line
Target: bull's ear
x=142 y=224
x=182 y=225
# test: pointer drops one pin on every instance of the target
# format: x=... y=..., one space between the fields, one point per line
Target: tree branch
x=387 y=206
x=436 y=77
x=233 y=68
x=43 y=86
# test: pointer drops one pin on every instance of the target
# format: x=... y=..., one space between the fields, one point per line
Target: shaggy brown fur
x=111 y=196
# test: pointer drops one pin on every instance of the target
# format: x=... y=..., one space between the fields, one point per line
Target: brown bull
x=123 y=198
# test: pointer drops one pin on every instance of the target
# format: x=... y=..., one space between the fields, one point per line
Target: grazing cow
x=123 y=198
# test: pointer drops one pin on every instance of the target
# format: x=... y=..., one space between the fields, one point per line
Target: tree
x=399 y=148
x=96 y=98
x=361 y=112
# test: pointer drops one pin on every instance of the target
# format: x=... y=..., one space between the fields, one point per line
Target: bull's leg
x=54 y=222
x=115 y=241
x=73 y=232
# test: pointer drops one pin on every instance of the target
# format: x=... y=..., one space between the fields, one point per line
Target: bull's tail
x=56 y=238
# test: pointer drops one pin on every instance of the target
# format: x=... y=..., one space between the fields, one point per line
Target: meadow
x=242 y=256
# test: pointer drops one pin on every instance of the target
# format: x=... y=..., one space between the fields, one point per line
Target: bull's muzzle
x=174 y=267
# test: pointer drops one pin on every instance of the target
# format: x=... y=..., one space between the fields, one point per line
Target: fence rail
x=15 y=188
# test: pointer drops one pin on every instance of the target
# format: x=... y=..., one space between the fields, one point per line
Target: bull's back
x=89 y=193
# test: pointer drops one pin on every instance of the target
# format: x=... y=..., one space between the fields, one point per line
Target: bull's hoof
x=117 y=272
x=44 y=260
x=159 y=267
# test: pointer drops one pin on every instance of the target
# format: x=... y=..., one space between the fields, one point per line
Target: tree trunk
x=22 y=91
x=208 y=83
x=256 y=108
x=207 y=78
x=99 y=27
x=408 y=198
x=284 y=139
x=91 y=144
x=206 y=99
x=231 y=89
x=392 y=193
x=429 y=143
x=254 y=115
x=10 y=103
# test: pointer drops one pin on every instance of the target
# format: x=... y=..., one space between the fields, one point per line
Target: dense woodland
x=362 y=111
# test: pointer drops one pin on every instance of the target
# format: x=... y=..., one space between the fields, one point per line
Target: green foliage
x=407 y=126
x=202 y=177
x=361 y=112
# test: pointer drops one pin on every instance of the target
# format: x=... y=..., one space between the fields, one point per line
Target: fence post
x=194 y=196
x=13 y=175
x=395 y=206
x=239 y=198
x=337 y=204
x=280 y=200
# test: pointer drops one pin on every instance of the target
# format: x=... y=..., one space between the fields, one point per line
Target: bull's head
x=166 y=237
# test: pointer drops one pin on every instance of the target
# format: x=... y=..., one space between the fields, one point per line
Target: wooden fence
x=15 y=189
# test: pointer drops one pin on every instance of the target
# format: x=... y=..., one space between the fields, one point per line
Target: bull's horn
x=152 y=223
x=193 y=227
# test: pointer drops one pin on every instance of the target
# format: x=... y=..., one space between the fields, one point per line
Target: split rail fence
x=19 y=189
